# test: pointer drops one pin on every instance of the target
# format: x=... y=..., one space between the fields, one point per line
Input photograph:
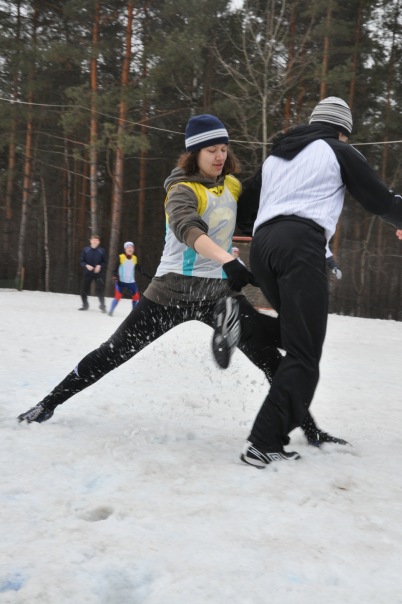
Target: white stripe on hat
x=334 y=111
x=205 y=136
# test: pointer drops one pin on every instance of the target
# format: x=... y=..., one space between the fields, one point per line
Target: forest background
x=95 y=96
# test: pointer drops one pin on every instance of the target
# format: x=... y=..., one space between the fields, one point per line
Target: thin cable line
x=232 y=140
x=113 y=117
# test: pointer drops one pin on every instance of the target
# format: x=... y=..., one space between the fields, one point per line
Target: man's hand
x=334 y=267
x=238 y=275
x=97 y=268
x=89 y=267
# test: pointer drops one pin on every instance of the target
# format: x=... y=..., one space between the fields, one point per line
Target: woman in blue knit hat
x=197 y=269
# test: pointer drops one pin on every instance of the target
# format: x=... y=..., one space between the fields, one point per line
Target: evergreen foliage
x=261 y=68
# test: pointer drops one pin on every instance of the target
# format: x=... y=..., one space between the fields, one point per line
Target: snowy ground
x=134 y=493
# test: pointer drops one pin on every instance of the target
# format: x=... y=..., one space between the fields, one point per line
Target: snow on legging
x=148 y=321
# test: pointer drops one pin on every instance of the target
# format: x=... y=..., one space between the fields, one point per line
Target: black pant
x=148 y=321
x=288 y=260
x=87 y=279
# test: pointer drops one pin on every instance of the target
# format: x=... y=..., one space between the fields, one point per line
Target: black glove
x=238 y=275
x=334 y=267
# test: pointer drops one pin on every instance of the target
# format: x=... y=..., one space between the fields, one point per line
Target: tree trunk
x=377 y=278
x=335 y=244
x=8 y=213
x=10 y=171
x=144 y=119
x=26 y=192
x=27 y=180
x=325 y=53
x=389 y=91
x=117 y=192
x=69 y=220
x=143 y=165
x=356 y=52
x=94 y=125
x=289 y=69
x=11 y=148
x=45 y=234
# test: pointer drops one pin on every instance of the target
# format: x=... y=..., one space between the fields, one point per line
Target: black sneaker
x=102 y=308
x=84 y=308
x=226 y=330
x=255 y=457
x=39 y=414
x=317 y=438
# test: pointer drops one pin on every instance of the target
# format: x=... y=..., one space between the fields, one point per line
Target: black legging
x=148 y=321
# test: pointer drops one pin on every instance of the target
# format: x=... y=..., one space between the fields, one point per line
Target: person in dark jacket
x=93 y=262
x=292 y=206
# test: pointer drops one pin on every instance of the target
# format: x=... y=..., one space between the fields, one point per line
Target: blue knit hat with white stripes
x=204 y=131
x=335 y=111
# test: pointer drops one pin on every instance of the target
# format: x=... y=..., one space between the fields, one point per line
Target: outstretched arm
x=366 y=187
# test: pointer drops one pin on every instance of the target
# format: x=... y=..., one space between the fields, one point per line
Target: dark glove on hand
x=238 y=275
x=334 y=267
x=337 y=272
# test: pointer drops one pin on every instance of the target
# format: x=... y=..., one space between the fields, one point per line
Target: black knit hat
x=335 y=111
x=204 y=131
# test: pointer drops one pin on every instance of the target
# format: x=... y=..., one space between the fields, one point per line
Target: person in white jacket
x=291 y=207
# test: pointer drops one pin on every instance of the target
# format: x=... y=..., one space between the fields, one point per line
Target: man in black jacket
x=93 y=261
x=292 y=206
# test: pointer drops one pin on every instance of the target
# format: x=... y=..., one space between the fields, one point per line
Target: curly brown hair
x=188 y=161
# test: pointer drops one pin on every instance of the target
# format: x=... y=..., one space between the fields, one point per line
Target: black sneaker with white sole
x=39 y=414
x=258 y=458
x=226 y=330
